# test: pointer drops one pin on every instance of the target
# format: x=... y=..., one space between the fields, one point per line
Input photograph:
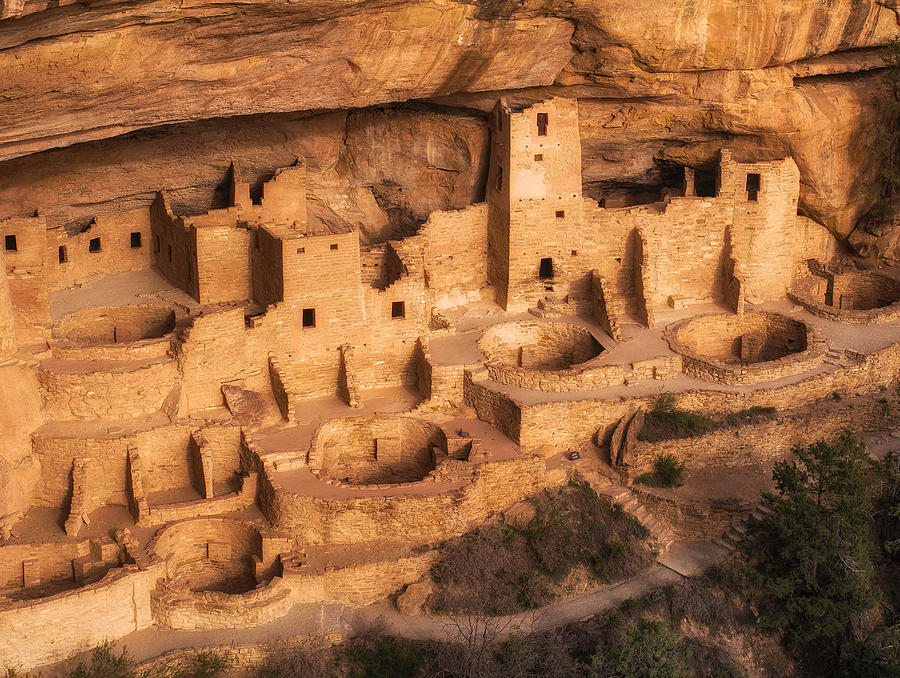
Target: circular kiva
x=385 y=449
x=859 y=297
x=539 y=345
x=545 y=356
x=748 y=348
x=111 y=325
x=210 y=554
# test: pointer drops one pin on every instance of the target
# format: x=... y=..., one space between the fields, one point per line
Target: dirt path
x=681 y=560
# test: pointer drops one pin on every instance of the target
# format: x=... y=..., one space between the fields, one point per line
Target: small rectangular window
x=560 y=214
x=574 y=253
x=499 y=178
x=63 y=254
x=9 y=244
x=94 y=245
x=542 y=122
x=309 y=317
x=398 y=309
x=753 y=185
x=135 y=240
x=156 y=246
x=170 y=253
x=334 y=245
x=301 y=250
x=538 y=157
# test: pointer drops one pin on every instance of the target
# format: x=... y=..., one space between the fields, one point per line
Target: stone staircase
x=285 y=460
x=660 y=533
x=735 y=534
x=550 y=307
x=838 y=357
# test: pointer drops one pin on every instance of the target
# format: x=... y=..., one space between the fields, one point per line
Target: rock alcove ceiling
x=389 y=98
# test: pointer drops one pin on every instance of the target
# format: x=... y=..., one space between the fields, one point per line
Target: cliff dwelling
x=288 y=385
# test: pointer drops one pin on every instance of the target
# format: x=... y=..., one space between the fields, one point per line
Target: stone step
x=724 y=544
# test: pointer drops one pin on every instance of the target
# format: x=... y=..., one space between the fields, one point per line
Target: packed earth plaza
x=249 y=415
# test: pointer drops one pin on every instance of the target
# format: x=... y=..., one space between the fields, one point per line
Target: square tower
x=535 y=207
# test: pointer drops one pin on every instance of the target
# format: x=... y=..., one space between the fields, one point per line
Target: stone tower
x=7 y=324
x=534 y=201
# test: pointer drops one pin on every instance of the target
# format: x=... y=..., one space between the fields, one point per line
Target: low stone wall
x=233 y=501
x=694 y=520
x=569 y=423
x=110 y=392
x=361 y=584
x=110 y=325
x=135 y=350
x=420 y=518
x=442 y=383
x=52 y=562
x=764 y=441
x=38 y=632
x=177 y=608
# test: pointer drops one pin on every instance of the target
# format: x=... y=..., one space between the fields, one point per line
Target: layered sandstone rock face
x=386 y=98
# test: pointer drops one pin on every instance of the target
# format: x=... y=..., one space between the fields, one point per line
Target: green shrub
x=810 y=570
x=667 y=472
x=104 y=663
x=377 y=656
x=647 y=649
x=876 y=657
x=666 y=422
x=751 y=415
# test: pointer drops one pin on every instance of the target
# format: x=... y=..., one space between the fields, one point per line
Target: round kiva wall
x=858 y=297
x=747 y=348
x=210 y=554
x=116 y=324
x=377 y=450
x=539 y=345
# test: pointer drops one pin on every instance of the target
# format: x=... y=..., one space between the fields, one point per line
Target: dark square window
x=309 y=317
x=545 y=272
x=301 y=250
x=9 y=243
x=542 y=122
x=94 y=245
x=574 y=253
x=538 y=157
x=753 y=184
x=398 y=309
x=136 y=239
x=63 y=254
x=560 y=214
x=334 y=245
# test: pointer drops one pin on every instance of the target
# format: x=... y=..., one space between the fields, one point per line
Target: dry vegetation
x=501 y=568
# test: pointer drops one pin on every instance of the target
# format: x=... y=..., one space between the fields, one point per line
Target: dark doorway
x=546 y=269
x=705 y=183
x=9 y=243
x=398 y=309
x=135 y=240
x=94 y=245
x=63 y=254
x=753 y=184
x=542 y=122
